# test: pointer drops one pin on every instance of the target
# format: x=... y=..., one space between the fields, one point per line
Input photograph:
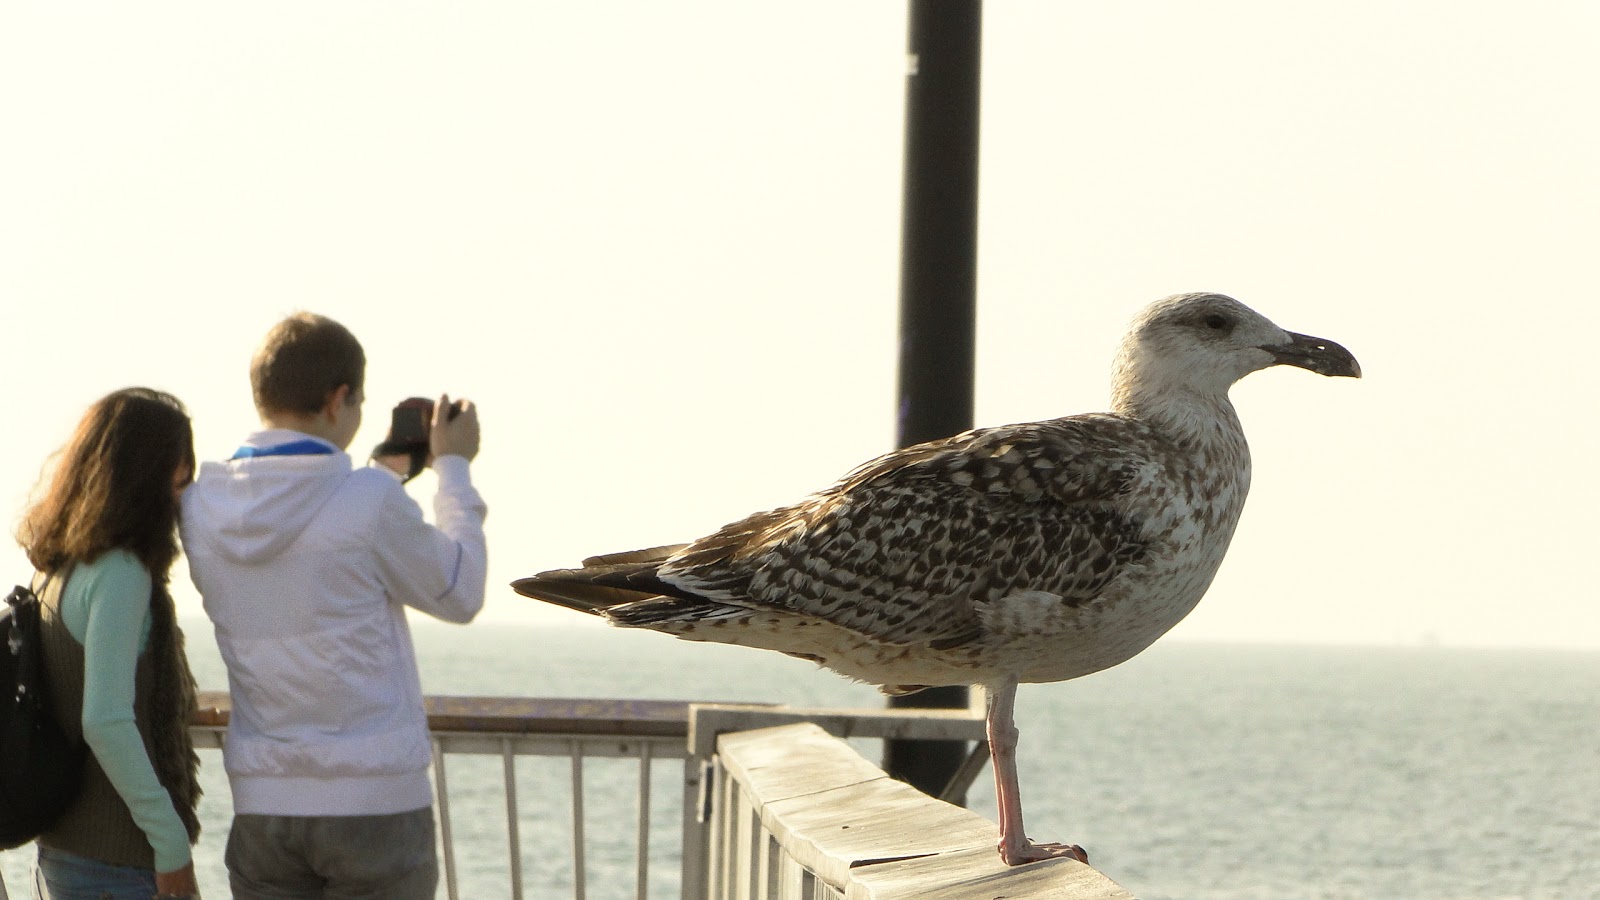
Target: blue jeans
x=63 y=876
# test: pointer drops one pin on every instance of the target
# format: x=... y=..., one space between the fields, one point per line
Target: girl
x=103 y=537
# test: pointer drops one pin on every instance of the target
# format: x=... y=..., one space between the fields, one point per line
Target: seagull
x=1025 y=553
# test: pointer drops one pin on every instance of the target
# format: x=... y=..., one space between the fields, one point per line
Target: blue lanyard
x=304 y=447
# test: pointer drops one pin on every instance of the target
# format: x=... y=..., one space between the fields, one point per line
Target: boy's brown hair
x=303 y=359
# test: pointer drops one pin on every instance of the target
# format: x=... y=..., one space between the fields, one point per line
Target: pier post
x=938 y=284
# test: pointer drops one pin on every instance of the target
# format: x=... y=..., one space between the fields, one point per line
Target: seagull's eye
x=1217 y=322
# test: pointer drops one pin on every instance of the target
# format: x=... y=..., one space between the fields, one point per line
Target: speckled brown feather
x=904 y=548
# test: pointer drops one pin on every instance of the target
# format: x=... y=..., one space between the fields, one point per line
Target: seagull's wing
x=908 y=547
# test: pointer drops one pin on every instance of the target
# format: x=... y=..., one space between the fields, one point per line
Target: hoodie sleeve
x=439 y=570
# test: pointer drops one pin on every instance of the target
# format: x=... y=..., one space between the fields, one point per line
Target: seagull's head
x=1204 y=343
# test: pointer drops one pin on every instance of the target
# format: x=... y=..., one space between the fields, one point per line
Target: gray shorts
x=333 y=857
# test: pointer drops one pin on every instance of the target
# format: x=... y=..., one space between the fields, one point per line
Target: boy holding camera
x=305 y=565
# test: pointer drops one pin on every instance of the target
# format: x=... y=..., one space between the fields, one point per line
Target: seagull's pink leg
x=1015 y=848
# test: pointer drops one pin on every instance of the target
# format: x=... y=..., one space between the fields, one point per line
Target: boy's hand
x=457 y=436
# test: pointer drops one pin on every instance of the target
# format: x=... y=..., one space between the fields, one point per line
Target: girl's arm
x=118 y=605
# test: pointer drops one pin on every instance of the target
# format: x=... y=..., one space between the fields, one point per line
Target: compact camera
x=410 y=425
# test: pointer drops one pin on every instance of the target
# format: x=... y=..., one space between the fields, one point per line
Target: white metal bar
x=442 y=787
x=642 y=873
x=508 y=759
x=721 y=849
x=714 y=850
x=956 y=791
x=752 y=838
x=696 y=827
x=579 y=864
x=732 y=830
x=764 y=878
x=775 y=871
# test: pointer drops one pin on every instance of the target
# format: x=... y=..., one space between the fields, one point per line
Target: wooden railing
x=775 y=804
x=799 y=814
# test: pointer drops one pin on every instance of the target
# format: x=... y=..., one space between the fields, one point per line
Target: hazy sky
x=658 y=243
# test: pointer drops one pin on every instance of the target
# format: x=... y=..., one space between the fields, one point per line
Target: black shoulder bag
x=41 y=768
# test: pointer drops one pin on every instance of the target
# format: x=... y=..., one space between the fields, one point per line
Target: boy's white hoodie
x=305 y=566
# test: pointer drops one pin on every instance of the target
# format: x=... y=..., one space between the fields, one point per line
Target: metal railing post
x=508 y=760
x=442 y=789
x=938 y=283
x=580 y=864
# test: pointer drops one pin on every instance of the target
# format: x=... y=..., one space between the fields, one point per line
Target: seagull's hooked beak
x=1321 y=356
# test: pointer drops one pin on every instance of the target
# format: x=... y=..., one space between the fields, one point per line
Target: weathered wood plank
x=875 y=838
x=978 y=874
x=805 y=762
x=834 y=831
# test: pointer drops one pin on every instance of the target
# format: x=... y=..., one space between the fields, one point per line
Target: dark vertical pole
x=938 y=284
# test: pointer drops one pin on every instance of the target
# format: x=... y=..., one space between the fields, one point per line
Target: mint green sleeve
x=118 y=606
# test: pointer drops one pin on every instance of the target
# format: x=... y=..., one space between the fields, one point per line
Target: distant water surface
x=1194 y=771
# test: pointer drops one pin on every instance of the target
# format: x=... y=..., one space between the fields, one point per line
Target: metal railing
x=517 y=727
x=733 y=842
x=578 y=730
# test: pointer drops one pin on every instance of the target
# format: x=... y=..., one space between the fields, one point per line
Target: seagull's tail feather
x=606 y=582
x=573 y=589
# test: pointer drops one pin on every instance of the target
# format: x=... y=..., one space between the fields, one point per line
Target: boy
x=305 y=565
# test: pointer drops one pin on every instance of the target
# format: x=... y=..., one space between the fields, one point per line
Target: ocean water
x=1194 y=771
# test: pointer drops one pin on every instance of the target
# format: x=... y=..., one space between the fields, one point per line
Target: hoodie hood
x=254 y=519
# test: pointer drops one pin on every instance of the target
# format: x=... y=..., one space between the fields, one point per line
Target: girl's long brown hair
x=112 y=486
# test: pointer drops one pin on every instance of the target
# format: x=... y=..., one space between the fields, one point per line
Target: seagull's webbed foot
x=1026 y=851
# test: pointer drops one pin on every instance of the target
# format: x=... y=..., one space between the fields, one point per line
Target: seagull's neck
x=1203 y=423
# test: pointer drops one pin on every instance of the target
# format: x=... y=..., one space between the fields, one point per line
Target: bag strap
x=22 y=596
x=39 y=589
